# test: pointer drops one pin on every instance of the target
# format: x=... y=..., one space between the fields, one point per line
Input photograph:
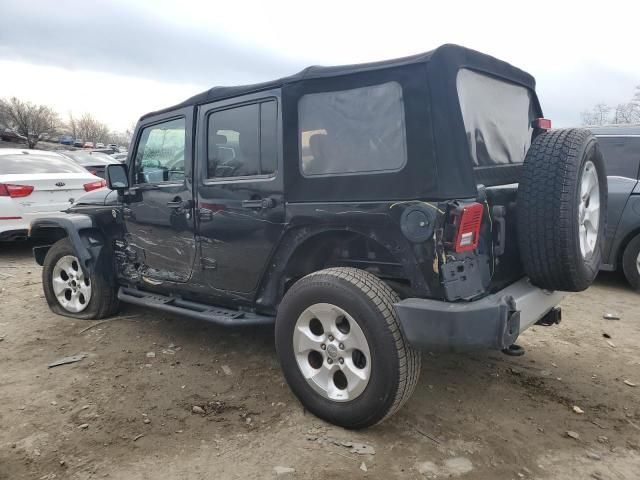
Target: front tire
x=631 y=262
x=341 y=348
x=69 y=292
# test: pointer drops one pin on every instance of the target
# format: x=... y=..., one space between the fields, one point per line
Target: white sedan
x=35 y=184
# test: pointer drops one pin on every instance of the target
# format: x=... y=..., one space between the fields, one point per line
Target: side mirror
x=117 y=177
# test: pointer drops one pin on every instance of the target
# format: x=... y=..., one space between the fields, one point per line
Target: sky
x=120 y=59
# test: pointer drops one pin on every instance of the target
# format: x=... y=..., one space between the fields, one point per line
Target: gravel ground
x=126 y=410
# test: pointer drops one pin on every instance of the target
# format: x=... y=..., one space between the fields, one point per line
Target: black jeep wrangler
x=369 y=211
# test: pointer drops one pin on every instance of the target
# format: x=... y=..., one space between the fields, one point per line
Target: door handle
x=259 y=203
x=180 y=204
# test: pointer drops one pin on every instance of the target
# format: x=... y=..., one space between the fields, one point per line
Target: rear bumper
x=493 y=322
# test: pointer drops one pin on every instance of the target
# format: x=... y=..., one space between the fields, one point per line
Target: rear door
x=158 y=208
x=240 y=204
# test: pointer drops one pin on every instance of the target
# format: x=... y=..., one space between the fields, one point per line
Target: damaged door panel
x=159 y=239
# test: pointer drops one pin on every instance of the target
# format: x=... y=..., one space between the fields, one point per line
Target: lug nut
x=329 y=361
x=341 y=360
x=341 y=346
x=331 y=338
x=323 y=346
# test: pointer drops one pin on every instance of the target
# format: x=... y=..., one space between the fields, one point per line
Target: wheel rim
x=589 y=210
x=70 y=286
x=332 y=352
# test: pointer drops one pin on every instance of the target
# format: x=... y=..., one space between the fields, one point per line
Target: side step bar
x=200 y=311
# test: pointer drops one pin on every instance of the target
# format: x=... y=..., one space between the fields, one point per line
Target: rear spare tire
x=341 y=348
x=561 y=206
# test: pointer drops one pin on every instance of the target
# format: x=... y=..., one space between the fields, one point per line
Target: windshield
x=21 y=164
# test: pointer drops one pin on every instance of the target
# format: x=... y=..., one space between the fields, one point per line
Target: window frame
x=223 y=106
x=621 y=135
x=358 y=173
x=187 y=158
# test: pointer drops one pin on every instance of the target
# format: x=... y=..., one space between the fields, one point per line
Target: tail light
x=469 y=224
x=15 y=191
x=94 y=185
x=541 y=123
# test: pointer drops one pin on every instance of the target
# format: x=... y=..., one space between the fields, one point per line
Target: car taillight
x=94 y=185
x=15 y=191
x=469 y=227
x=541 y=123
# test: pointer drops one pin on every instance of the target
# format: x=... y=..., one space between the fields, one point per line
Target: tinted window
x=160 y=153
x=20 y=164
x=242 y=141
x=361 y=130
x=497 y=117
x=621 y=155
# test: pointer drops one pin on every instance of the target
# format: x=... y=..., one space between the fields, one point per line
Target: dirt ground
x=126 y=410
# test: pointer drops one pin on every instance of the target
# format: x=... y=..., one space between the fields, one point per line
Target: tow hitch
x=553 y=317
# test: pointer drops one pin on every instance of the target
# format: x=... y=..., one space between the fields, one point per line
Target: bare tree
x=28 y=119
x=72 y=126
x=90 y=129
x=626 y=113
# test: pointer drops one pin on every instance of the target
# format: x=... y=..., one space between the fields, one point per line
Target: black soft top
x=448 y=57
x=440 y=164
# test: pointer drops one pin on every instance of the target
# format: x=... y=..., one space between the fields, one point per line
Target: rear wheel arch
x=304 y=251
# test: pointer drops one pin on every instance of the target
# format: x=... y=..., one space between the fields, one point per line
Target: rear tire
x=631 y=262
x=391 y=370
x=64 y=299
x=561 y=205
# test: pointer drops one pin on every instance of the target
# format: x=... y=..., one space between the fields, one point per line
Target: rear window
x=621 y=155
x=88 y=158
x=361 y=130
x=497 y=117
x=22 y=164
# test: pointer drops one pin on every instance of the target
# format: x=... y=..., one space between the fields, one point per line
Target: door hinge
x=208 y=263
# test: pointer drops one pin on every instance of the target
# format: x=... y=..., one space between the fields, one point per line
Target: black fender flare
x=84 y=234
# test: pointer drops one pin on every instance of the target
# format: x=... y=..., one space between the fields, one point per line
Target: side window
x=621 y=155
x=160 y=153
x=361 y=130
x=242 y=141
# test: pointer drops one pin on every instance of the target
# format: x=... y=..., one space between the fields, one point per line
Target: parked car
x=106 y=150
x=114 y=147
x=121 y=157
x=66 y=140
x=94 y=162
x=322 y=203
x=9 y=135
x=88 y=145
x=78 y=143
x=99 y=145
x=27 y=151
x=620 y=147
x=34 y=185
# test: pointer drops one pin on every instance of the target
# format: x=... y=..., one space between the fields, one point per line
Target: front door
x=240 y=205
x=158 y=208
